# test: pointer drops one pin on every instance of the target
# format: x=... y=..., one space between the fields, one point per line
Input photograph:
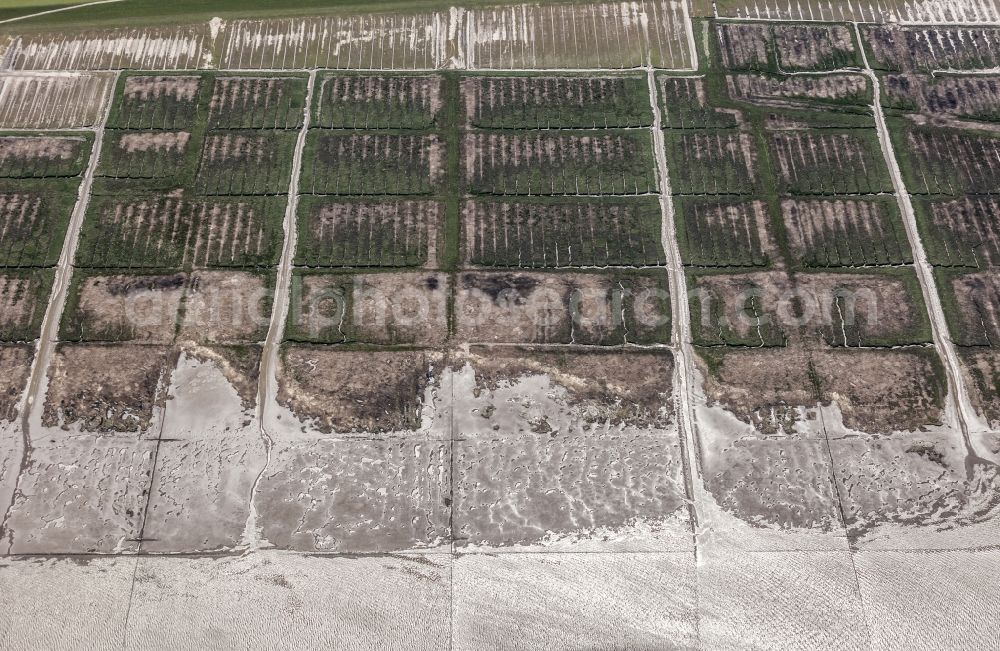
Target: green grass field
x=12 y=9
x=146 y=12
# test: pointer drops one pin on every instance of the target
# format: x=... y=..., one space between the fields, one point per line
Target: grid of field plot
x=788 y=226
x=556 y=136
x=39 y=180
x=390 y=222
x=172 y=278
x=807 y=315
x=952 y=172
x=179 y=246
x=560 y=254
x=506 y=230
x=206 y=134
x=64 y=100
x=368 y=314
x=371 y=218
x=558 y=174
x=423 y=303
x=563 y=136
x=866 y=11
x=389 y=186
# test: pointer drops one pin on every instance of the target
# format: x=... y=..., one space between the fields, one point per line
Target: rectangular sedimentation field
x=584 y=296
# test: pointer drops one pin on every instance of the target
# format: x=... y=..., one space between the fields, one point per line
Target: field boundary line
x=49 y=333
x=267 y=381
x=636 y=70
x=54 y=130
x=844 y=21
x=973 y=72
x=64 y=269
x=689 y=28
x=684 y=376
x=964 y=412
x=681 y=324
x=894 y=20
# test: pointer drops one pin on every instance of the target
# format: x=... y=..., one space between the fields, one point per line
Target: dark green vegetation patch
x=163 y=232
x=562 y=233
x=686 y=105
x=971 y=302
x=724 y=231
x=558 y=163
x=372 y=163
x=157 y=102
x=845 y=231
x=713 y=162
x=251 y=102
x=960 y=231
x=365 y=102
x=947 y=161
x=158 y=158
x=38 y=157
x=550 y=102
x=33 y=220
x=336 y=232
x=246 y=162
x=829 y=162
x=23 y=298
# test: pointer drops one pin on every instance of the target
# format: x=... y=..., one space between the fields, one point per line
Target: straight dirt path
x=63 y=276
x=684 y=376
x=684 y=379
x=267 y=381
x=31 y=410
x=964 y=412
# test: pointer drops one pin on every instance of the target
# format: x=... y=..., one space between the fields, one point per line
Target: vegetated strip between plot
x=31 y=407
x=268 y=381
x=63 y=275
x=681 y=335
x=939 y=326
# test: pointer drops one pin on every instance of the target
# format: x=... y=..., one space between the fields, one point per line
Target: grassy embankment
x=148 y=12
